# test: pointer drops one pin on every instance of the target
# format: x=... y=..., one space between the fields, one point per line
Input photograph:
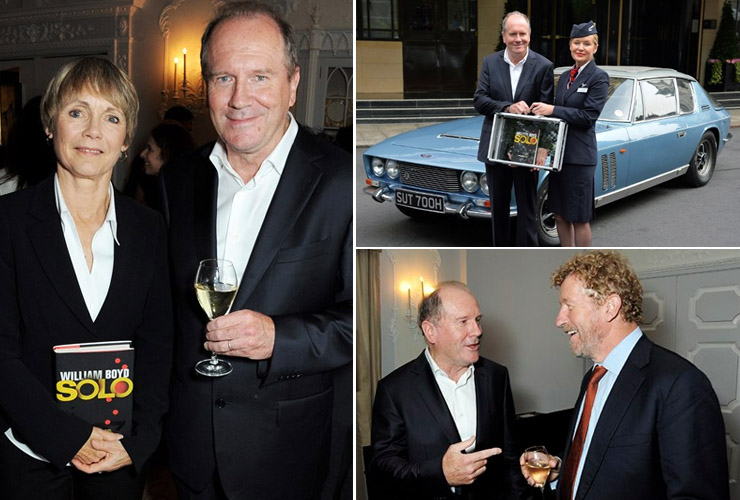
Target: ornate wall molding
x=336 y=42
x=66 y=30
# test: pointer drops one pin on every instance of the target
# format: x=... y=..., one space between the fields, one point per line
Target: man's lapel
x=205 y=194
x=617 y=404
x=296 y=186
x=432 y=397
x=504 y=74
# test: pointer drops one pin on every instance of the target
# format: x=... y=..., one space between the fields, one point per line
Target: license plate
x=429 y=202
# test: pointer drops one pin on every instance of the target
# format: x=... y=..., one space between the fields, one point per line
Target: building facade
x=434 y=48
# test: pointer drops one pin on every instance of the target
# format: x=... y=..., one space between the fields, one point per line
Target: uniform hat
x=583 y=30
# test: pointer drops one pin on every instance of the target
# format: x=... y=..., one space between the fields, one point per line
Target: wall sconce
x=406 y=289
x=411 y=308
x=181 y=38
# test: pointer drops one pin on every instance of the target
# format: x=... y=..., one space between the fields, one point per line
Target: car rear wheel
x=547 y=231
x=703 y=162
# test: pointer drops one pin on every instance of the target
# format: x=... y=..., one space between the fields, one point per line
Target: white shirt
x=94 y=283
x=460 y=398
x=613 y=363
x=515 y=70
x=242 y=207
x=7 y=186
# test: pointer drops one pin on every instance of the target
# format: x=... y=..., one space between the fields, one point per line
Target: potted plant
x=723 y=64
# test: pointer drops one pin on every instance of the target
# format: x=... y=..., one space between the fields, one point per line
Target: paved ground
x=368 y=135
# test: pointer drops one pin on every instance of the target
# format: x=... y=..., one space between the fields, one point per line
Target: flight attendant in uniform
x=580 y=97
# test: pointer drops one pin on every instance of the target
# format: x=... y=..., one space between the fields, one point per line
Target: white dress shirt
x=613 y=363
x=515 y=70
x=94 y=283
x=242 y=207
x=460 y=398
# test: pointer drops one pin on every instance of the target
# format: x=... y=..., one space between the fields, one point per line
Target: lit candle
x=422 y=287
x=174 y=79
x=184 y=69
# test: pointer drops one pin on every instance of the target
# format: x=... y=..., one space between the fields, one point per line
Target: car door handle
x=681 y=135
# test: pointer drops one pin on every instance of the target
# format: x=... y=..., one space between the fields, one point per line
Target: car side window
x=617 y=107
x=686 y=100
x=659 y=98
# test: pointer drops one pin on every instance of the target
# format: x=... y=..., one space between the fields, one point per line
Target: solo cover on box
x=95 y=382
x=521 y=140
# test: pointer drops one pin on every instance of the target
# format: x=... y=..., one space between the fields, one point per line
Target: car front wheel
x=547 y=231
x=703 y=162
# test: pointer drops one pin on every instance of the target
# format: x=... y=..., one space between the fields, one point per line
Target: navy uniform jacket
x=580 y=106
x=494 y=89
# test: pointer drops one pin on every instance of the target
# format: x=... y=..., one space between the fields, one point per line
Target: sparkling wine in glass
x=538 y=465
x=215 y=287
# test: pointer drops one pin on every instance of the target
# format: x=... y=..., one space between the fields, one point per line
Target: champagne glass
x=215 y=287
x=538 y=465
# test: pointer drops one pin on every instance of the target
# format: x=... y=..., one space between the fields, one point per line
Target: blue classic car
x=658 y=124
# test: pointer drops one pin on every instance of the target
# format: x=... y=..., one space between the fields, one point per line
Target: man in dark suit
x=277 y=203
x=652 y=428
x=510 y=81
x=441 y=421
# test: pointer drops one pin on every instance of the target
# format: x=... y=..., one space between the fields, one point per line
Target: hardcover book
x=95 y=382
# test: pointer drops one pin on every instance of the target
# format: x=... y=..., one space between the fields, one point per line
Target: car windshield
x=619 y=103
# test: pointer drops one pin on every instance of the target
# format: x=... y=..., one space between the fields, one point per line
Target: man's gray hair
x=514 y=13
x=430 y=308
x=249 y=10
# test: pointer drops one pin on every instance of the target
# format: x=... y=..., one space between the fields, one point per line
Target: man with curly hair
x=647 y=423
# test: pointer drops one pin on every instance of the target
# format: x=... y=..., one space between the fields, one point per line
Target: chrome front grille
x=422 y=176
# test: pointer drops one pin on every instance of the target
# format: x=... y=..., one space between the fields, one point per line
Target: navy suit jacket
x=660 y=434
x=41 y=305
x=412 y=428
x=580 y=107
x=493 y=94
x=266 y=425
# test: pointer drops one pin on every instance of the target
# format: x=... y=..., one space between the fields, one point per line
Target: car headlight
x=469 y=181
x=378 y=167
x=391 y=168
x=484 y=183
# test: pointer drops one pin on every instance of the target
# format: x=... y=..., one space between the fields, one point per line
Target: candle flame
x=405 y=286
x=176 y=60
x=184 y=50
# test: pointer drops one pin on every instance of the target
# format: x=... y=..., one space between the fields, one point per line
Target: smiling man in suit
x=278 y=204
x=510 y=81
x=440 y=422
x=647 y=424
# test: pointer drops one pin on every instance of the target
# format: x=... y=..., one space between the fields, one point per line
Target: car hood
x=455 y=137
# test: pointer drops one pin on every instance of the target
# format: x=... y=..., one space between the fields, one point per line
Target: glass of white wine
x=538 y=464
x=215 y=287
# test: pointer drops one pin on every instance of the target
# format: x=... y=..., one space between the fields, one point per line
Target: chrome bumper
x=464 y=210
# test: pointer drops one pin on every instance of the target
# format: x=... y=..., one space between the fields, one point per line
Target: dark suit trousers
x=25 y=478
x=500 y=179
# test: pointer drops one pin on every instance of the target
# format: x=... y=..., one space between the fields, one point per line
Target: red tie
x=573 y=73
x=574 y=456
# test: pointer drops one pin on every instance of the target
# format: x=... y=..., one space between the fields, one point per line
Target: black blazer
x=41 y=305
x=660 y=435
x=580 y=107
x=412 y=428
x=494 y=90
x=267 y=424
